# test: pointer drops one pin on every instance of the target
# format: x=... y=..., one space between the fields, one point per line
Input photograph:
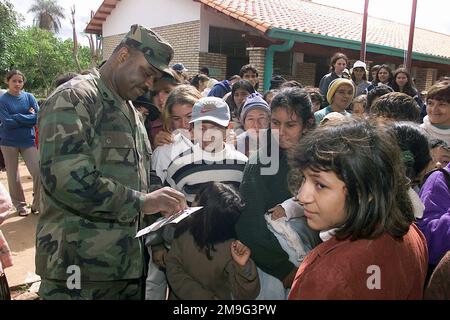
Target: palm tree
x=47 y=14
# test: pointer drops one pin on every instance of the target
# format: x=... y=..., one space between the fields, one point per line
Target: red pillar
x=411 y=36
x=362 y=55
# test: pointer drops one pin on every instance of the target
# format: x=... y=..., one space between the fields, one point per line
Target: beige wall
x=184 y=38
x=216 y=61
x=305 y=74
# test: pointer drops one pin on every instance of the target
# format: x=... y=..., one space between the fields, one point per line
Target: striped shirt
x=195 y=167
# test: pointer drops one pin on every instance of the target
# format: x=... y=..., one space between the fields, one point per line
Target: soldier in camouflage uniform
x=95 y=160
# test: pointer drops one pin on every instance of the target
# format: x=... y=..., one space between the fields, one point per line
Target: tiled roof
x=306 y=16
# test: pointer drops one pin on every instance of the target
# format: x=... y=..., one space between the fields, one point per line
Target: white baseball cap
x=359 y=64
x=211 y=109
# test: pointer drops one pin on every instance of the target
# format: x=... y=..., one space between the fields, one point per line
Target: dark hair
x=413 y=143
x=14 y=72
x=295 y=101
x=409 y=87
x=374 y=68
x=336 y=57
x=440 y=91
x=315 y=95
x=195 y=81
x=376 y=92
x=246 y=68
x=364 y=74
x=435 y=143
x=276 y=81
x=396 y=106
x=241 y=84
x=391 y=75
x=291 y=84
x=234 y=77
x=204 y=70
x=273 y=92
x=366 y=157
x=214 y=223
x=64 y=78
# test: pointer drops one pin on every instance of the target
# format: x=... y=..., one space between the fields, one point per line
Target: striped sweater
x=193 y=168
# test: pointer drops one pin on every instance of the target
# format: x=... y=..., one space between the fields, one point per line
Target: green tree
x=42 y=57
x=9 y=23
x=47 y=14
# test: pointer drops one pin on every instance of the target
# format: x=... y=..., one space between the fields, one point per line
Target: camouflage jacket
x=95 y=171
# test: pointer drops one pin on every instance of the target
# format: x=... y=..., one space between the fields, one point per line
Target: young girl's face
x=401 y=79
x=322 y=195
x=239 y=96
x=287 y=127
x=15 y=84
x=358 y=109
x=340 y=65
x=383 y=75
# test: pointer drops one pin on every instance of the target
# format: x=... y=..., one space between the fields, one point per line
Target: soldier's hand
x=162 y=138
x=166 y=200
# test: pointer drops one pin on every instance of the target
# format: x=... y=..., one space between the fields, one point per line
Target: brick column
x=425 y=77
x=256 y=57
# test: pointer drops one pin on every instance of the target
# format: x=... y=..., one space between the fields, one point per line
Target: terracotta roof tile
x=305 y=16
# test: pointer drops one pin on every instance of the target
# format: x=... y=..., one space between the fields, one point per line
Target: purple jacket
x=435 y=223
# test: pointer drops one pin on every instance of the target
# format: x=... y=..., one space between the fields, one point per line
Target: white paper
x=175 y=218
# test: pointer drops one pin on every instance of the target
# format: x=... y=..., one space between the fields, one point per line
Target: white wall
x=149 y=13
x=215 y=19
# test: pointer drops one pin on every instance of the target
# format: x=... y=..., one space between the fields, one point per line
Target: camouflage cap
x=156 y=50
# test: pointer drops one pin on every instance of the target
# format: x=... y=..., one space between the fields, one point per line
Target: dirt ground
x=20 y=233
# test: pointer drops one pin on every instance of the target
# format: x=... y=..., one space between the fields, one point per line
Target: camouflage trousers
x=92 y=290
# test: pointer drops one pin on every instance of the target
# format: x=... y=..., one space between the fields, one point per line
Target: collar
x=327 y=234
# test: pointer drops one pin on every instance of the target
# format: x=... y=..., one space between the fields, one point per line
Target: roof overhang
x=95 y=25
x=305 y=37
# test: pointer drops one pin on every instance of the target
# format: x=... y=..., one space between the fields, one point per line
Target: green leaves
x=41 y=56
x=9 y=22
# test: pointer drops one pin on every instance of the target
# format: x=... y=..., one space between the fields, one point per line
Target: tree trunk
x=95 y=47
x=75 y=41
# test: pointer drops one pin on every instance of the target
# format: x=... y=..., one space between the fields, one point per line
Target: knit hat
x=253 y=101
x=335 y=84
x=211 y=109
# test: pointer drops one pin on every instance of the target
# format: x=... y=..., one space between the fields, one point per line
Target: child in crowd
x=205 y=261
x=440 y=152
x=354 y=191
x=359 y=106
